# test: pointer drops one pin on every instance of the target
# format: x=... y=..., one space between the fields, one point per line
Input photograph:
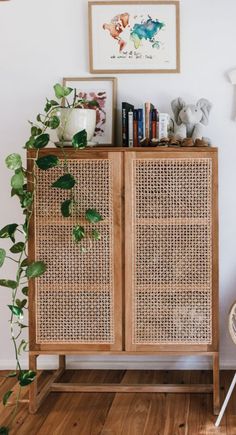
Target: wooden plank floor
x=124 y=413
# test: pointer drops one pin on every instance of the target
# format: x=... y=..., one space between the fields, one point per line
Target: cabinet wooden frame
x=122 y=159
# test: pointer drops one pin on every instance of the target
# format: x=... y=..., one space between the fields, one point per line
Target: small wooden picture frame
x=134 y=36
x=103 y=90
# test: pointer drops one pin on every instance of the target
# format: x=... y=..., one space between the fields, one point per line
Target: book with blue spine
x=140 y=125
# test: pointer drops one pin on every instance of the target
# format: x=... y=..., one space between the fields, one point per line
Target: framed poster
x=103 y=91
x=134 y=36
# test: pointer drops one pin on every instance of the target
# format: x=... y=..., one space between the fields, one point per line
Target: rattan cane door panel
x=77 y=302
x=170 y=251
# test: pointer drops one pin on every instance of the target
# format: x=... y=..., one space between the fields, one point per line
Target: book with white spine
x=131 y=128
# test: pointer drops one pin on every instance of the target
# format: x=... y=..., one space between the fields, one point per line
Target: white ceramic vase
x=74 y=120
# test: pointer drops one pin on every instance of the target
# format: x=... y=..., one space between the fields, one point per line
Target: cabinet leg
x=216 y=384
x=62 y=362
x=33 y=388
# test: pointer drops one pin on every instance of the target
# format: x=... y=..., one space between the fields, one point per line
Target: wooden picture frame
x=105 y=131
x=120 y=43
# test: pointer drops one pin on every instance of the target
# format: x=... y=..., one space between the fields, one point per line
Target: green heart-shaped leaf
x=13 y=161
x=35 y=131
x=47 y=162
x=66 y=181
x=41 y=141
x=54 y=122
x=6 y=397
x=93 y=216
x=17 y=311
x=21 y=304
x=93 y=103
x=35 y=269
x=79 y=139
x=8 y=231
x=8 y=283
x=18 y=247
x=47 y=106
x=30 y=143
x=2 y=256
x=24 y=263
x=26 y=199
x=78 y=233
x=26 y=377
x=25 y=291
x=25 y=225
x=17 y=181
x=66 y=207
x=61 y=91
x=54 y=103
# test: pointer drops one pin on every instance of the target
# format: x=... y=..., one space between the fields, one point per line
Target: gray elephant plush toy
x=190 y=118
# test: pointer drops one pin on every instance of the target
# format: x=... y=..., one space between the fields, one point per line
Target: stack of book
x=142 y=125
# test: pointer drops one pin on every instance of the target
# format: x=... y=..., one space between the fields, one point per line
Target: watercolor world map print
x=144 y=28
x=134 y=37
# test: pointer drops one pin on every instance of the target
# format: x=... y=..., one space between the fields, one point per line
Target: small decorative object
x=190 y=119
x=201 y=143
x=187 y=142
x=134 y=36
x=101 y=90
x=173 y=141
x=164 y=121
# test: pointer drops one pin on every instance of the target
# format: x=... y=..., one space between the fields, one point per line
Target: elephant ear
x=205 y=107
x=177 y=105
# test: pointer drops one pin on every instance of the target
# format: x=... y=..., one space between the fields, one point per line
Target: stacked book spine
x=143 y=124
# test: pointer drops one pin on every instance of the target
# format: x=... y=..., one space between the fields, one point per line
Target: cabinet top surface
x=158 y=149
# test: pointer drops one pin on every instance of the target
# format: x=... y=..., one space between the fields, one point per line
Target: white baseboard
x=136 y=363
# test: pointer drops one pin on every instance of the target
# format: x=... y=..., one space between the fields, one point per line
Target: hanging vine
x=18 y=234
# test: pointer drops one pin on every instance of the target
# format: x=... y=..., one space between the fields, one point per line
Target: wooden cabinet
x=150 y=285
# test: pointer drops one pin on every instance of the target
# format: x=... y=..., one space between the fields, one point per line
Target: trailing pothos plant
x=18 y=233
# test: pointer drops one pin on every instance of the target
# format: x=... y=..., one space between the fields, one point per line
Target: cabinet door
x=171 y=250
x=76 y=304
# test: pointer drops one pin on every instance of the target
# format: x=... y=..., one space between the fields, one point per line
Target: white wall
x=42 y=41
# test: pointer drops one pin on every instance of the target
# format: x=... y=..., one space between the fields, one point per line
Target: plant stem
x=14 y=292
x=11 y=259
x=16 y=406
x=74 y=99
